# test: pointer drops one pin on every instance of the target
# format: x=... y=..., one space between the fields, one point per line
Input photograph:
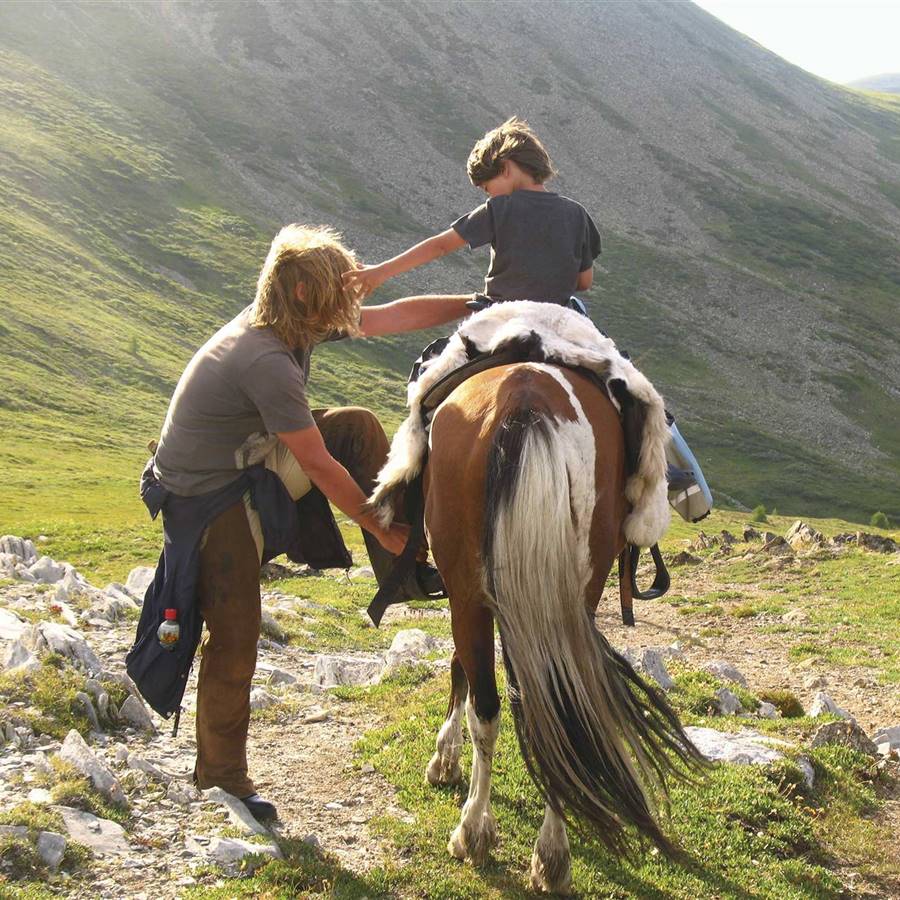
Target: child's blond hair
x=513 y=140
x=314 y=257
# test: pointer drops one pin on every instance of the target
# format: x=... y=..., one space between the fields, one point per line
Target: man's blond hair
x=311 y=255
x=513 y=140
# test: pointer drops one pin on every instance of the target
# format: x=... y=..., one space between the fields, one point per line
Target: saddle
x=414 y=498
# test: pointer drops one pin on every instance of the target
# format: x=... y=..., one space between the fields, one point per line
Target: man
x=240 y=472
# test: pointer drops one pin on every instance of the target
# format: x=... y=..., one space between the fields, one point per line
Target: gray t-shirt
x=539 y=241
x=242 y=387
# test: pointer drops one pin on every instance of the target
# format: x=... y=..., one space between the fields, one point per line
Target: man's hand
x=394 y=538
x=365 y=279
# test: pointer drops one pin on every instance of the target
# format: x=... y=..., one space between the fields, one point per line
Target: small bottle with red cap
x=169 y=631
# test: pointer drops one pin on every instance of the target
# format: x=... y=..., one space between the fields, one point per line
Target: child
x=543 y=245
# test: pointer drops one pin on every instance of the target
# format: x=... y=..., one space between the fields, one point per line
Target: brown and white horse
x=525 y=505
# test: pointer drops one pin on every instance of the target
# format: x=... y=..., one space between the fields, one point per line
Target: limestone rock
x=723 y=669
x=777 y=546
x=260 y=699
x=18 y=547
x=408 y=647
x=361 y=572
x=727 y=703
x=801 y=536
x=273 y=675
x=85 y=701
x=139 y=579
x=331 y=671
x=104 y=837
x=767 y=711
x=46 y=570
x=139 y=764
x=182 y=794
x=135 y=713
x=39 y=796
x=846 y=734
x=18 y=658
x=703 y=542
x=868 y=541
x=823 y=704
x=751 y=534
x=237 y=812
x=228 y=851
x=66 y=641
x=12 y=627
x=742 y=748
x=75 y=751
x=51 y=847
x=889 y=736
x=651 y=662
x=814 y=682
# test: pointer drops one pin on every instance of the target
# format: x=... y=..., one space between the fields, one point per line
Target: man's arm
x=412 y=313
x=585 y=279
x=335 y=482
x=366 y=278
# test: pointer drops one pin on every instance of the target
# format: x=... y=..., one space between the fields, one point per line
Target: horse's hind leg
x=476 y=833
x=444 y=765
x=551 y=864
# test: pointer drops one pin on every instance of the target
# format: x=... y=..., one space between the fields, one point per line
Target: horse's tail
x=594 y=735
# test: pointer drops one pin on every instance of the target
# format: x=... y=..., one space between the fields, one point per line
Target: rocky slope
x=750 y=211
x=97 y=793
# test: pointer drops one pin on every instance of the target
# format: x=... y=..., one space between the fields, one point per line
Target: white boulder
x=77 y=753
x=66 y=641
x=136 y=714
x=18 y=658
x=651 y=662
x=228 y=851
x=407 y=648
x=260 y=699
x=18 y=547
x=822 y=705
x=139 y=579
x=743 y=748
x=727 y=703
x=237 y=812
x=104 y=837
x=51 y=847
x=46 y=570
x=767 y=711
x=331 y=671
x=723 y=669
x=889 y=736
x=12 y=627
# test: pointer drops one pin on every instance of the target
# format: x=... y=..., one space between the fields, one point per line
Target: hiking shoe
x=260 y=809
x=430 y=583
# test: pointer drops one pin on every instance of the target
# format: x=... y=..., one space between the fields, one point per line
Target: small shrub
x=19 y=858
x=879 y=520
x=784 y=701
x=35 y=818
x=759 y=514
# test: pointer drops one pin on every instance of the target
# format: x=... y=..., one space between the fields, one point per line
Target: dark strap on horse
x=405 y=564
x=661 y=580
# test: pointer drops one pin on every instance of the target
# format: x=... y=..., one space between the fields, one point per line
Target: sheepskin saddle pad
x=561 y=336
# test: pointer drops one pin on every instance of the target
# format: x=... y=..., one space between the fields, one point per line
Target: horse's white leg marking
x=444 y=765
x=476 y=833
x=551 y=864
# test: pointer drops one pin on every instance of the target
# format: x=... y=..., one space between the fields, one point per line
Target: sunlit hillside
x=148 y=151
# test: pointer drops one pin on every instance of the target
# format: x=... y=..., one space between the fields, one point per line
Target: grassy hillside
x=148 y=152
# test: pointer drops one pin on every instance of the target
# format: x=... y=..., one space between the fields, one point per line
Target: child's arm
x=366 y=278
x=585 y=279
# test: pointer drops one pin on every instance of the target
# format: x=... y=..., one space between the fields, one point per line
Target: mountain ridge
x=749 y=211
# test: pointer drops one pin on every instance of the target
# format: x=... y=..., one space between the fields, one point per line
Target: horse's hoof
x=456 y=846
x=552 y=875
x=442 y=772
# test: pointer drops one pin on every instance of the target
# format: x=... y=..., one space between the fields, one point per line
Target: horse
x=524 y=508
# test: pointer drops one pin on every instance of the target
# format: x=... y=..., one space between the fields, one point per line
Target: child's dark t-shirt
x=539 y=241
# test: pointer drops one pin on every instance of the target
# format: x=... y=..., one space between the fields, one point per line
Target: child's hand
x=364 y=279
